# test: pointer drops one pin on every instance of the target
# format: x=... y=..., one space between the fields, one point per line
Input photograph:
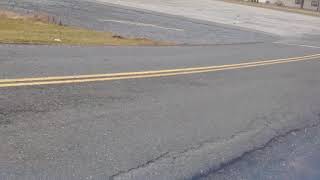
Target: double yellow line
x=144 y=74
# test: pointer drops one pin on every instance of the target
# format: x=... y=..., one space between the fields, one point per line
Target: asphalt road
x=125 y=127
x=137 y=22
x=294 y=156
x=186 y=126
x=218 y=11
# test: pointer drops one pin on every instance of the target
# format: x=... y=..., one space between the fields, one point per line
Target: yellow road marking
x=147 y=72
x=144 y=74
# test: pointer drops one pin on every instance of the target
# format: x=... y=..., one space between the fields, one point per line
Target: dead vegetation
x=40 y=28
x=40 y=17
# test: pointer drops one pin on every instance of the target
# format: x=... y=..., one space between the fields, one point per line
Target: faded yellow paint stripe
x=147 y=72
x=144 y=74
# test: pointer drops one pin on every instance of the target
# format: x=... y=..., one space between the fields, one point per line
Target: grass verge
x=275 y=7
x=42 y=29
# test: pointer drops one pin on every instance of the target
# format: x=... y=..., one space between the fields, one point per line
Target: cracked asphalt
x=101 y=129
x=215 y=125
x=293 y=156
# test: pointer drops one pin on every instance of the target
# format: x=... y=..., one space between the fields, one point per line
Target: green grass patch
x=20 y=30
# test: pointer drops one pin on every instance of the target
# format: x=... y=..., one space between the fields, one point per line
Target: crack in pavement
x=170 y=160
x=139 y=166
x=263 y=146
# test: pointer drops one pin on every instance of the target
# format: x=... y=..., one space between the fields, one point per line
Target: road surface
x=259 y=19
x=294 y=156
x=119 y=127
x=130 y=21
x=176 y=112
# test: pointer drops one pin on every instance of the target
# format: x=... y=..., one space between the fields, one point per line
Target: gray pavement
x=279 y=23
x=39 y=61
x=294 y=156
x=179 y=127
x=123 y=128
x=159 y=26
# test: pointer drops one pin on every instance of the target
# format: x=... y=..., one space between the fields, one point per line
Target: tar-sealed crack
x=263 y=146
x=171 y=157
x=140 y=166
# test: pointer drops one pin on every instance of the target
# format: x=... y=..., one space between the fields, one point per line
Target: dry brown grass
x=43 y=29
x=41 y=17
